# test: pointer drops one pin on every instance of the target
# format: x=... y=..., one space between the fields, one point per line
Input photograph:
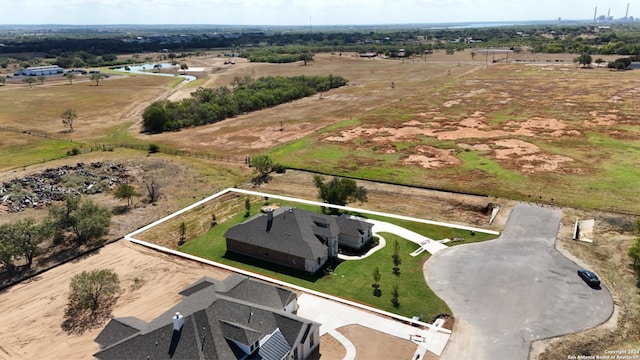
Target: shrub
x=279 y=169
x=154 y=148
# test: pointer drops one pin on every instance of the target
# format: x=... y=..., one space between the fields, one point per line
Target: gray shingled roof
x=118 y=329
x=293 y=231
x=351 y=226
x=211 y=319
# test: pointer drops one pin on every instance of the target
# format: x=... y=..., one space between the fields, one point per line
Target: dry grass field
x=542 y=130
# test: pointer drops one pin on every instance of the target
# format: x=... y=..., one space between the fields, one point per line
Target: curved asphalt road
x=514 y=290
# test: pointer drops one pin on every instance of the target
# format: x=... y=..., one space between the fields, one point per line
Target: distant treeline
x=621 y=39
x=206 y=105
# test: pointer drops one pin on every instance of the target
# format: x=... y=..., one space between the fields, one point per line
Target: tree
x=42 y=78
x=3 y=80
x=93 y=222
x=584 y=60
x=27 y=237
x=396 y=258
x=89 y=290
x=184 y=66
x=109 y=57
x=306 y=57
x=376 y=282
x=29 y=80
x=339 y=191
x=473 y=55
x=7 y=248
x=172 y=57
x=634 y=251
x=395 y=294
x=599 y=61
x=91 y=298
x=83 y=219
x=68 y=117
x=97 y=78
x=125 y=191
x=153 y=190
x=183 y=233
x=70 y=76
x=262 y=164
x=247 y=207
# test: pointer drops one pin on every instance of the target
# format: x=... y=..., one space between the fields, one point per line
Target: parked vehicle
x=589 y=277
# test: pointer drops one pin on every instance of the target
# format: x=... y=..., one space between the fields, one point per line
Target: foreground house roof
x=240 y=318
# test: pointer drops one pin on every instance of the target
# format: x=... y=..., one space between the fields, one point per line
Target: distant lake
x=147 y=69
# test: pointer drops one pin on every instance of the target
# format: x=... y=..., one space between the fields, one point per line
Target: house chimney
x=178 y=321
x=269 y=219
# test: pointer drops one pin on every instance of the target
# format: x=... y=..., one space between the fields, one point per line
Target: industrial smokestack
x=626 y=14
x=595 y=13
x=608 y=13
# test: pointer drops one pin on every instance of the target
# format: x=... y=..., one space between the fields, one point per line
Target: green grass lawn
x=350 y=279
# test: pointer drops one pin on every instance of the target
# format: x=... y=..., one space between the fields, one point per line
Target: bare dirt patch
x=372 y=344
x=331 y=349
x=40 y=302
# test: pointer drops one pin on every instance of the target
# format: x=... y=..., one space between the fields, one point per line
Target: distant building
x=238 y=318
x=296 y=238
x=40 y=70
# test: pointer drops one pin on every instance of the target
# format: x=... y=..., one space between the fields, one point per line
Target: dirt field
x=32 y=326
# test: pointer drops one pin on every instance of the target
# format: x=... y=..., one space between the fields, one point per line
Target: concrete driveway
x=511 y=291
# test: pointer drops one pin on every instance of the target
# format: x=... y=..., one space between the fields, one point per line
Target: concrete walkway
x=351 y=350
x=333 y=315
x=428 y=244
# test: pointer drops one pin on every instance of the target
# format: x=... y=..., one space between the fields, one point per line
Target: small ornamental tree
x=396 y=258
x=395 y=294
x=247 y=207
x=376 y=282
x=183 y=233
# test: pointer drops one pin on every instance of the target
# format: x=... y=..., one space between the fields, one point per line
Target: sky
x=300 y=12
